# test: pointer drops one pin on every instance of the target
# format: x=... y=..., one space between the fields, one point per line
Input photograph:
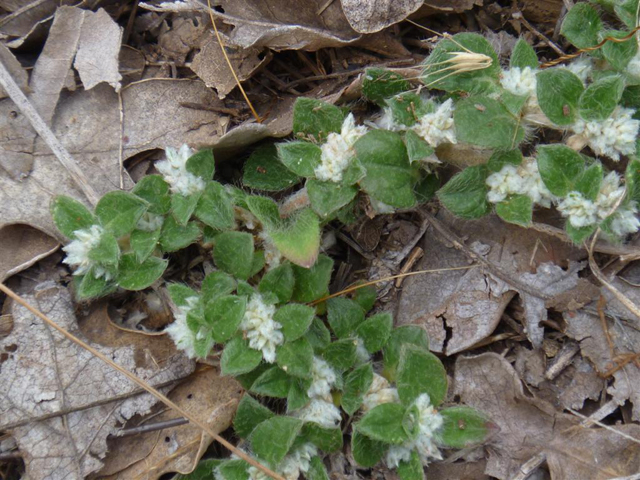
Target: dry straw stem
x=142 y=384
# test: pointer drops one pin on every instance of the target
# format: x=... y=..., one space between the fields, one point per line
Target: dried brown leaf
x=21 y=246
x=370 y=16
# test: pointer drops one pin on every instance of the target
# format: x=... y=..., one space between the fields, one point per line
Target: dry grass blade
x=145 y=386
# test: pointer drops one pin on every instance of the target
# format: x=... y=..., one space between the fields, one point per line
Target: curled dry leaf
x=370 y=16
x=26 y=244
x=46 y=375
x=25 y=20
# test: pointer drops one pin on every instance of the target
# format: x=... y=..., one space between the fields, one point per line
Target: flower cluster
x=174 y=170
x=321 y=408
x=262 y=331
x=380 y=392
x=292 y=465
x=78 y=252
x=522 y=180
x=520 y=81
x=180 y=332
x=338 y=151
x=437 y=127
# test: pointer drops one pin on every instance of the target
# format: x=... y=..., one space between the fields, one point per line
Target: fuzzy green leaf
x=274 y=382
x=417 y=148
x=501 y=158
x=356 y=386
x=317 y=470
x=233 y=253
x=295 y=358
x=326 y=439
x=263 y=171
x=486 y=122
x=632 y=178
x=389 y=176
x=279 y=281
x=375 y=331
x=420 y=371
x=384 y=424
x=312 y=283
x=107 y=251
x=133 y=275
x=582 y=25
x=248 y=379
x=318 y=335
x=297 y=396
x=601 y=98
x=463 y=427
x=232 y=470
x=143 y=243
x=366 y=451
x=179 y=293
x=404 y=335
x=379 y=84
x=341 y=354
x=523 y=55
x=558 y=93
x=70 y=215
x=249 y=414
x=315 y=120
x=517 y=209
x=88 y=286
x=155 y=190
x=215 y=207
x=204 y=470
x=175 y=237
x=627 y=11
x=224 y=316
x=238 y=358
x=217 y=284
x=298 y=237
x=411 y=470
x=559 y=168
x=579 y=235
x=201 y=164
x=265 y=210
x=295 y=319
x=407 y=108
x=300 y=157
x=366 y=297
x=618 y=54
x=120 y=211
x=465 y=195
x=328 y=197
x=588 y=183
x=272 y=439
x=344 y=316
x=183 y=206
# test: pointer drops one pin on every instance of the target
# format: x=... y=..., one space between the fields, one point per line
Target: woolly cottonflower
x=532 y=184
x=254 y=474
x=437 y=127
x=322 y=379
x=581 y=211
x=522 y=180
x=380 y=392
x=519 y=81
x=180 y=332
x=262 y=331
x=387 y=122
x=610 y=192
x=503 y=183
x=338 y=151
x=625 y=220
x=78 y=252
x=321 y=412
x=298 y=461
x=614 y=136
x=150 y=222
x=581 y=68
x=174 y=171
x=272 y=256
x=429 y=423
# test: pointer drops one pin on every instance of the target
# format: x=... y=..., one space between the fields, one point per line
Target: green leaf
x=120 y=211
x=217 y=284
x=272 y=439
x=300 y=157
x=183 y=206
x=175 y=237
x=389 y=175
x=297 y=396
x=411 y=470
x=314 y=119
x=618 y=54
x=133 y=275
x=88 y=286
x=366 y=451
x=407 y=108
x=344 y=316
x=465 y=195
x=326 y=439
x=224 y=316
x=312 y=283
x=279 y=281
x=202 y=164
x=233 y=253
x=523 y=55
x=578 y=235
x=144 y=243
x=295 y=320
x=384 y=424
x=588 y=183
x=417 y=148
x=366 y=297
x=601 y=98
x=317 y=470
x=341 y=354
x=375 y=331
x=179 y=293
x=249 y=414
x=517 y=209
x=463 y=427
x=155 y=190
x=107 y=251
x=233 y=470
x=514 y=103
x=215 y=207
x=318 y=335
x=248 y=379
x=258 y=263
x=298 y=238
x=582 y=25
x=245 y=289
x=437 y=75
x=204 y=470
x=69 y=215
x=265 y=210
x=238 y=357
x=379 y=84
x=272 y=383
x=356 y=386
x=559 y=167
x=263 y=171
x=420 y=371
x=632 y=178
x=501 y=158
x=486 y=122
x=404 y=335
x=296 y=358
x=558 y=93
x=627 y=11
x=328 y=197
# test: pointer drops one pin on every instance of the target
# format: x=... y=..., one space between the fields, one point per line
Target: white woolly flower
x=503 y=183
x=519 y=81
x=625 y=220
x=321 y=412
x=323 y=378
x=522 y=180
x=254 y=474
x=380 y=392
x=262 y=331
x=298 y=461
x=429 y=423
x=150 y=222
x=387 y=122
x=338 y=151
x=78 y=252
x=180 y=332
x=581 y=211
x=272 y=256
x=174 y=171
x=581 y=68
x=532 y=184
x=610 y=192
x=614 y=136
x=633 y=67
x=437 y=127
